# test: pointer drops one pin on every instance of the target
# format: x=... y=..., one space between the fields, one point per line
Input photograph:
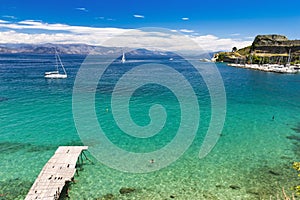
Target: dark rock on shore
x=268 y=40
x=275 y=44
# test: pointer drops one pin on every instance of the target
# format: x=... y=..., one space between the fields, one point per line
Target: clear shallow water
x=252 y=159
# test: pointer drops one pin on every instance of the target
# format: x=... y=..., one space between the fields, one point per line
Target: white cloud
x=213 y=43
x=185 y=18
x=151 y=39
x=139 y=16
x=71 y=34
x=102 y=18
x=82 y=9
x=250 y=37
x=235 y=34
x=186 y=31
x=9 y=16
x=3 y=21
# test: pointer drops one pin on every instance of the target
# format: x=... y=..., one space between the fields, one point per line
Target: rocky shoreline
x=265 y=49
x=269 y=53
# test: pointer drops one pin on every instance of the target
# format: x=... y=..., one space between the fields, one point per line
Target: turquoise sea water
x=252 y=159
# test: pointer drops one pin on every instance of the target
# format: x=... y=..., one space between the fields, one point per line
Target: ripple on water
x=3 y=99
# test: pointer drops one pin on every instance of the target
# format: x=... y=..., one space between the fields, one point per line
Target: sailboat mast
x=123 y=58
x=56 y=60
x=61 y=64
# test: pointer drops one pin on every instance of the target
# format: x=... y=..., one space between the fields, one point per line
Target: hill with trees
x=264 y=49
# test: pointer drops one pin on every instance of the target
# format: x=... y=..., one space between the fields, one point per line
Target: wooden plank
x=60 y=168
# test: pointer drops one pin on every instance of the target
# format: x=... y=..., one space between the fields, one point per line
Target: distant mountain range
x=84 y=49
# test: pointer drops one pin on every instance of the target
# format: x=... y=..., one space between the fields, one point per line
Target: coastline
x=292 y=69
x=268 y=53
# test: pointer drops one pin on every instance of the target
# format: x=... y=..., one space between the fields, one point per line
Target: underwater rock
x=293 y=137
x=220 y=186
x=274 y=173
x=253 y=191
x=124 y=190
x=108 y=197
x=172 y=196
x=296 y=129
x=235 y=187
x=209 y=196
x=286 y=158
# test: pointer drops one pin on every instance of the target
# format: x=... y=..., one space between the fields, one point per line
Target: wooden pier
x=57 y=172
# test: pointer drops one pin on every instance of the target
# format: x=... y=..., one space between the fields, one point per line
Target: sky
x=215 y=25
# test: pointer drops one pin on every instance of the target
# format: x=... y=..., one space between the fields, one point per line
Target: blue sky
x=240 y=20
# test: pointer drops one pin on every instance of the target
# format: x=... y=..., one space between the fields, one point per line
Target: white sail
x=123 y=58
x=56 y=74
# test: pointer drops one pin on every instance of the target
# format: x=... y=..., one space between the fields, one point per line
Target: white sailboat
x=56 y=74
x=123 y=58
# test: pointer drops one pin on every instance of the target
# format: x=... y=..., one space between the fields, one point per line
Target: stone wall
x=275 y=44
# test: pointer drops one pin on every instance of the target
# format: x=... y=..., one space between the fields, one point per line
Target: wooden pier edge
x=56 y=173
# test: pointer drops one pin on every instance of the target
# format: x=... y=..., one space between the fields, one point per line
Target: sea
x=252 y=158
